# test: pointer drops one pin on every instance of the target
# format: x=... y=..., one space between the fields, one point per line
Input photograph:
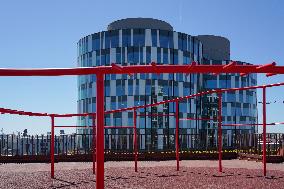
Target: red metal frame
x=269 y=69
x=177 y=134
x=220 y=130
x=135 y=139
x=101 y=70
x=53 y=126
x=100 y=132
x=264 y=129
x=94 y=143
x=52 y=147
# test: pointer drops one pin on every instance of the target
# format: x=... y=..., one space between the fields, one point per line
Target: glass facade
x=140 y=47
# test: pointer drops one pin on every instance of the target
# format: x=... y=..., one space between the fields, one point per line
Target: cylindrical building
x=141 y=41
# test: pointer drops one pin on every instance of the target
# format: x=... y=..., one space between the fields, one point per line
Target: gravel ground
x=192 y=174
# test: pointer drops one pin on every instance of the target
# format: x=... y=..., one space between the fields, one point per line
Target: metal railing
x=16 y=145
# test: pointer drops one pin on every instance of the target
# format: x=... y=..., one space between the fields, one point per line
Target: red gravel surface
x=192 y=174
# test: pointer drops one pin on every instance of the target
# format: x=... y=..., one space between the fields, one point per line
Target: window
x=114 y=37
x=113 y=103
x=166 y=39
x=130 y=87
x=107 y=39
x=154 y=38
x=174 y=56
x=136 y=55
x=231 y=96
x=126 y=37
x=98 y=59
x=118 y=55
x=159 y=55
x=165 y=56
x=148 y=55
x=138 y=37
x=96 y=41
x=186 y=57
x=107 y=88
x=130 y=55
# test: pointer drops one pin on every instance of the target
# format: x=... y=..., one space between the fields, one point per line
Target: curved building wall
x=237 y=107
x=140 y=47
x=132 y=47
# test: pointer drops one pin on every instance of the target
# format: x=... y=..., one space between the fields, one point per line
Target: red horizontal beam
x=140 y=69
x=270 y=74
x=71 y=126
x=75 y=115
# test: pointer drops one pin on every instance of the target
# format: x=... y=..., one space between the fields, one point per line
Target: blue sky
x=44 y=34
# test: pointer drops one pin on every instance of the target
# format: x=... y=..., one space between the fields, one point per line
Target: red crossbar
x=71 y=126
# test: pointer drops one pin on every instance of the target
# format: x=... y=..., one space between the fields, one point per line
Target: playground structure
x=98 y=133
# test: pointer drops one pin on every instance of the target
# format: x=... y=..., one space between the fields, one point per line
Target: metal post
x=264 y=131
x=100 y=132
x=135 y=138
x=220 y=130
x=52 y=146
x=94 y=143
x=177 y=135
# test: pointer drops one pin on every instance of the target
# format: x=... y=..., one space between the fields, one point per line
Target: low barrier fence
x=78 y=144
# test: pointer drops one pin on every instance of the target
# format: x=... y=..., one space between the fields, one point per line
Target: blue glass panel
x=113 y=105
x=180 y=41
x=159 y=56
x=148 y=89
x=130 y=56
x=107 y=40
x=154 y=38
x=141 y=55
x=175 y=60
x=231 y=97
x=107 y=89
x=148 y=55
x=118 y=55
x=229 y=83
x=114 y=38
x=98 y=58
x=165 y=56
x=211 y=84
x=164 y=39
x=136 y=56
x=123 y=62
x=126 y=37
x=130 y=121
x=107 y=63
x=223 y=83
x=138 y=37
x=90 y=59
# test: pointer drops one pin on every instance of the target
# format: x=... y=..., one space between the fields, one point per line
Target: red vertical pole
x=135 y=138
x=52 y=147
x=220 y=130
x=264 y=131
x=94 y=144
x=100 y=132
x=177 y=135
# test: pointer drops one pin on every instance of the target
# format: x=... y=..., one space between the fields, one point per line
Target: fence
x=72 y=144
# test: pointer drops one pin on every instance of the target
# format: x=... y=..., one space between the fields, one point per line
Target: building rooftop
x=141 y=23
